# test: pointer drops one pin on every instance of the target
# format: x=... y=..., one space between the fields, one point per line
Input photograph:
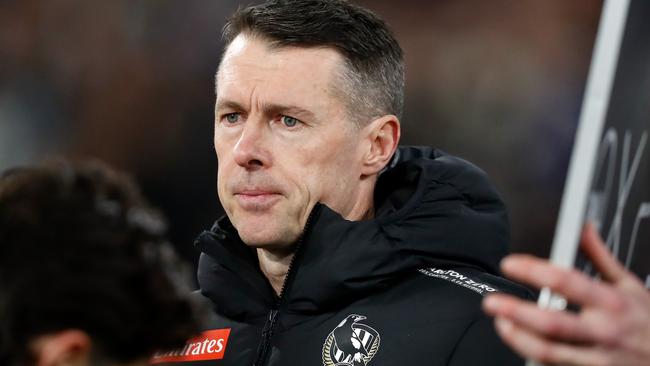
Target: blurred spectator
x=86 y=274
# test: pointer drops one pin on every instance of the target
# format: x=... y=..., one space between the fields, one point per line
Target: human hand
x=611 y=328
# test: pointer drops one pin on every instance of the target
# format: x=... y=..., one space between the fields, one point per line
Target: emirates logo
x=210 y=345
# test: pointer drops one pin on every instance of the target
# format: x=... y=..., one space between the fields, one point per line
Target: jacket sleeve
x=481 y=345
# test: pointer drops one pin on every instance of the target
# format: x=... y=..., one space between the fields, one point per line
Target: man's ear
x=70 y=347
x=383 y=136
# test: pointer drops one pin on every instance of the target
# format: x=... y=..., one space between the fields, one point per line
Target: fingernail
x=505 y=262
x=508 y=263
x=504 y=325
x=491 y=304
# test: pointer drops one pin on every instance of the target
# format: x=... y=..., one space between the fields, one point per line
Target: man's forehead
x=254 y=54
x=252 y=63
x=244 y=42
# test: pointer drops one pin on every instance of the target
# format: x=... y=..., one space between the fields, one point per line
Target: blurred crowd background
x=130 y=82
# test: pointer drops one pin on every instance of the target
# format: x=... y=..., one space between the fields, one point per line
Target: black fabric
x=432 y=210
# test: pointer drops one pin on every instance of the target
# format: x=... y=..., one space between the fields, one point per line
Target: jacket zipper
x=267 y=332
x=263 y=350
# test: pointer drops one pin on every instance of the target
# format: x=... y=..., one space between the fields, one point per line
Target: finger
x=531 y=345
x=554 y=324
x=594 y=248
x=575 y=286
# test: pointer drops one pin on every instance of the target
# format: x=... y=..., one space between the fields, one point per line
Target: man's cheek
x=308 y=188
x=221 y=193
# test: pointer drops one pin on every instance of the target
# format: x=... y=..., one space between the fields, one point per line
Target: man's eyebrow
x=228 y=104
x=289 y=109
x=270 y=108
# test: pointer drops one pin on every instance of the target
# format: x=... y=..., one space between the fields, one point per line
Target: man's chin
x=269 y=229
x=268 y=239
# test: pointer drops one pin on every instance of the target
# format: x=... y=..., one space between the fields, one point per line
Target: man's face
x=283 y=140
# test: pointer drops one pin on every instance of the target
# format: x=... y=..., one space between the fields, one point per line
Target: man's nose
x=250 y=152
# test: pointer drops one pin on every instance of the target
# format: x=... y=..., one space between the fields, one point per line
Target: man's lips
x=256 y=200
x=255 y=192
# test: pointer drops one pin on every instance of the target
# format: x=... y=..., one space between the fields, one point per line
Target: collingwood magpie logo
x=351 y=343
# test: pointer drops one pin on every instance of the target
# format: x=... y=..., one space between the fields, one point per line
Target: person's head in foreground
x=308 y=99
x=86 y=275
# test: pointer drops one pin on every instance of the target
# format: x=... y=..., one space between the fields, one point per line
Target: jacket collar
x=432 y=209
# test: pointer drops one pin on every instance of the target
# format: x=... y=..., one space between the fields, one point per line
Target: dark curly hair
x=80 y=249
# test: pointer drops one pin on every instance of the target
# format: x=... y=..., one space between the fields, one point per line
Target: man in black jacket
x=337 y=247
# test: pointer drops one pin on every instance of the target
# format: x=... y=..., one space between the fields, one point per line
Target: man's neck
x=275 y=266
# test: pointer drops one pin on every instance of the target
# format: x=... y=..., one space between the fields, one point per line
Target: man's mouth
x=256 y=200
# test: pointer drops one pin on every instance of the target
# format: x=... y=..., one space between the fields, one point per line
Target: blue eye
x=289 y=121
x=232 y=117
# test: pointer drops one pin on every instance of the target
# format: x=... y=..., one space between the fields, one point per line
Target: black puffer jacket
x=401 y=289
